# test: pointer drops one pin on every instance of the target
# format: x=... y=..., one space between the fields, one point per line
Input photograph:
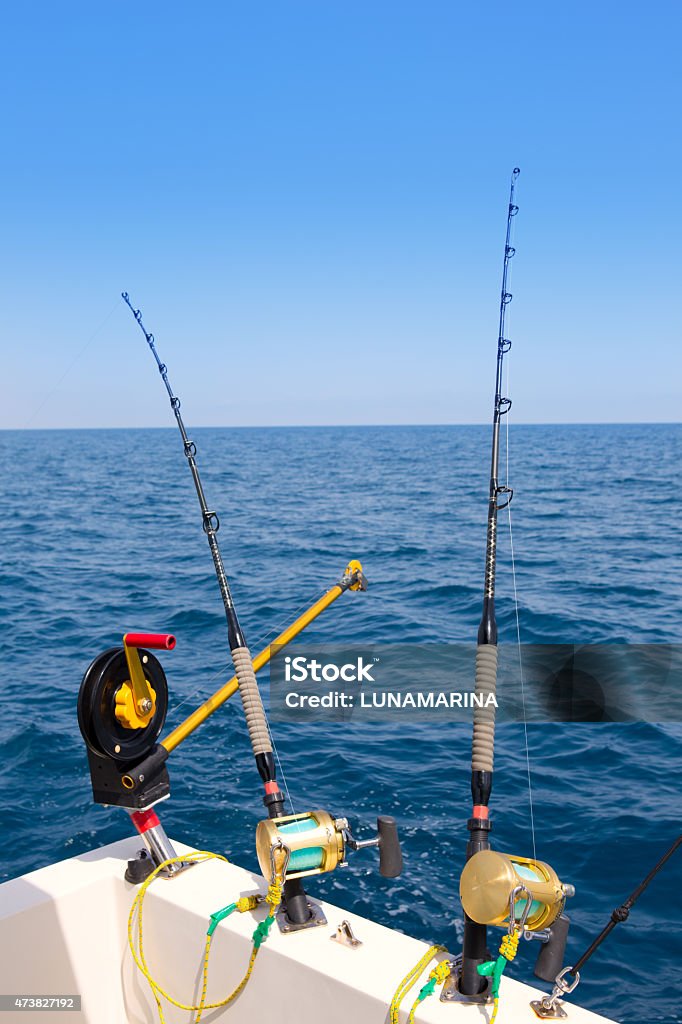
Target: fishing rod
x=483 y=743
x=241 y=656
x=295 y=899
x=522 y=895
x=317 y=841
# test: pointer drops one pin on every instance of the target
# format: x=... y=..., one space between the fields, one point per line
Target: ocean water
x=101 y=533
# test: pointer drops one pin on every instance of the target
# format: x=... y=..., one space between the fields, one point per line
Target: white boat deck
x=64 y=931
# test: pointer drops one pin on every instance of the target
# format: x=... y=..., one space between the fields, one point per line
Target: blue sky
x=307 y=200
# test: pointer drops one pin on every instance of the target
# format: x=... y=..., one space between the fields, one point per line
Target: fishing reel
x=317 y=843
x=519 y=892
x=122 y=706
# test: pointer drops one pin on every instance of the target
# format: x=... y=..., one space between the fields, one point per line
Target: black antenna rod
x=474 y=949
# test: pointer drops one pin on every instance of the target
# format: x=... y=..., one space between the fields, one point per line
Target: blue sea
x=101 y=534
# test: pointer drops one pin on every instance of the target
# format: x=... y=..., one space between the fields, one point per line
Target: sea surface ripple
x=101 y=534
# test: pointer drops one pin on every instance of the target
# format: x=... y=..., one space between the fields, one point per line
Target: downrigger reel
x=122 y=706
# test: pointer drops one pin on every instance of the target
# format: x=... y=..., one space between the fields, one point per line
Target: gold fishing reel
x=494 y=886
x=317 y=843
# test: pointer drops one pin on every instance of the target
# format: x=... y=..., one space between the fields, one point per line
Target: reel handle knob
x=390 y=854
x=155 y=641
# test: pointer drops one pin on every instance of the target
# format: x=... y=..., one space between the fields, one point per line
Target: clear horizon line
x=352 y=426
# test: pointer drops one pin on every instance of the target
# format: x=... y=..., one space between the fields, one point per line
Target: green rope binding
x=219 y=916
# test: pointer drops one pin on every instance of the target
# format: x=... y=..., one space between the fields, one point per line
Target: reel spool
x=102 y=729
x=317 y=843
x=122 y=706
x=491 y=883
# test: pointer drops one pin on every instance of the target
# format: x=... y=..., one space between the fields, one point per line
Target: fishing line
x=223 y=672
x=284 y=622
x=281 y=770
x=516 y=603
x=71 y=365
x=474 y=946
x=220 y=672
x=273 y=632
x=259 y=640
x=523 y=689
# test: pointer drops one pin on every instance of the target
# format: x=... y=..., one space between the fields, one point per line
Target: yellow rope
x=273 y=898
x=510 y=945
x=274 y=894
x=438 y=975
x=409 y=980
x=508 y=949
x=246 y=903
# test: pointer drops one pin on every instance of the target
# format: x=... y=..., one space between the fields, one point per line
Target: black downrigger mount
x=122 y=706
